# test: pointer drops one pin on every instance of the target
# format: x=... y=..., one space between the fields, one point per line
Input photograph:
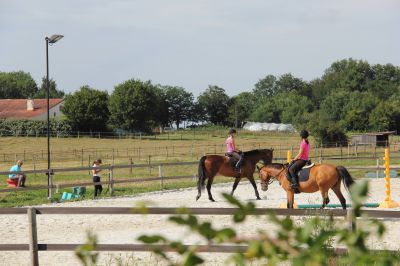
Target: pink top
x=306 y=150
x=229 y=145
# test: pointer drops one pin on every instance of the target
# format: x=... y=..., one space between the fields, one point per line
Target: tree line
x=351 y=95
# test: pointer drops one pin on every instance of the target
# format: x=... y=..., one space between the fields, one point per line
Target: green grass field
x=185 y=146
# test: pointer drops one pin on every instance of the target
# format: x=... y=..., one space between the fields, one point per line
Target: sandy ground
x=124 y=229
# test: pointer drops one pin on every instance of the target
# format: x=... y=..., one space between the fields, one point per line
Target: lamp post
x=49 y=40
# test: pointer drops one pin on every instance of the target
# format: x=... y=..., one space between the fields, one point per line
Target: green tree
x=17 y=85
x=54 y=93
x=358 y=109
x=386 y=81
x=265 y=87
x=266 y=111
x=332 y=108
x=386 y=115
x=293 y=108
x=179 y=102
x=288 y=83
x=241 y=107
x=87 y=109
x=197 y=113
x=348 y=74
x=326 y=131
x=214 y=101
x=134 y=105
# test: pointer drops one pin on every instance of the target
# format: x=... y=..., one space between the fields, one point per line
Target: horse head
x=265 y=178
x=267 y=155
x=268 y=173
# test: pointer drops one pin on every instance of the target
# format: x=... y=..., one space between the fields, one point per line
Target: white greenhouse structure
x=257 y=126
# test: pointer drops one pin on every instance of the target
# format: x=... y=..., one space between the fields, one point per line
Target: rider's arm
x=233 y=144
x=299 y=154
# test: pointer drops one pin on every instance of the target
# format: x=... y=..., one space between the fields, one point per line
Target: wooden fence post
x=160 y=174
x=351 y=221
x=377 y=168
x=150 y=164
x=111 y=180
x=131 y=163
x=82 y=156
x=33 y=244
x=348 y=151
x=341 y=151
x=50 y=175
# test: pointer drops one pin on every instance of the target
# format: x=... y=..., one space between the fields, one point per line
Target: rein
x=273 y=178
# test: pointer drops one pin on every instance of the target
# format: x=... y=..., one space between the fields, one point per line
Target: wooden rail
x=34 y=247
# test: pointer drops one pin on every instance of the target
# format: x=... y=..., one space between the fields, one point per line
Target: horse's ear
x=272 y=149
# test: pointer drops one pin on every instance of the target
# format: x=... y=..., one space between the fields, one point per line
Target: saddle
x=233 y=162
x=304 y=173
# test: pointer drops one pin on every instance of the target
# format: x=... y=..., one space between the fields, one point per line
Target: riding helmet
x=232 y=130
x=304 y=134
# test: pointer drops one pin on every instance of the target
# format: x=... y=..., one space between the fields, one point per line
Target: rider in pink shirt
x=299 y=161
x=231 y=148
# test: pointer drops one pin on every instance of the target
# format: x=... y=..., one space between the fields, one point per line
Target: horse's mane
x=278 y=166
x=254 y=152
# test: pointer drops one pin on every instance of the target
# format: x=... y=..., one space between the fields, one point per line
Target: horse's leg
x=253 y=183
x=209 y=183
x=290 y=198
x=336 y=190
x=325 y=198
x=235 y=184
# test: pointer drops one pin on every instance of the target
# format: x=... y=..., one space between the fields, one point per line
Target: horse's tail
x=346 y=177
x=202 y=177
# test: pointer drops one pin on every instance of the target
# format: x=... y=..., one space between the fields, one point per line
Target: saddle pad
x=304 y=173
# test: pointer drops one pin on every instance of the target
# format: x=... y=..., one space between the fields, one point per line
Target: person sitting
x=299 y=161
x=18 y=178
x=231 y=149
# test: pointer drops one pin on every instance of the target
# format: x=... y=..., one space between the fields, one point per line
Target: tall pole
x=49 y=40
x=48 y=116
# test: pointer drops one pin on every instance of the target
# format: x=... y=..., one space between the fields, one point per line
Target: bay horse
x=211 y=165
x=322 y=177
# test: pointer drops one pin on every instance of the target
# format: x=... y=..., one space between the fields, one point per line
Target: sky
x=193 y=43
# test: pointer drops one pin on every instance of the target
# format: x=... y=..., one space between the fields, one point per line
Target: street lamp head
x=54 y=38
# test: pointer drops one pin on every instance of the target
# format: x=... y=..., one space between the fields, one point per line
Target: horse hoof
x=197 y=198
x=212 y=200
x=258 y=198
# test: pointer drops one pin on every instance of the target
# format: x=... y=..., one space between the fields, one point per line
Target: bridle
x=273 y=178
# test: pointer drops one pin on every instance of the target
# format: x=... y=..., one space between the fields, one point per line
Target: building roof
x=386 y=133
x=17 y=108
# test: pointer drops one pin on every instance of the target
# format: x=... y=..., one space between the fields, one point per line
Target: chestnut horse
x=211 y=165
x=322 y=177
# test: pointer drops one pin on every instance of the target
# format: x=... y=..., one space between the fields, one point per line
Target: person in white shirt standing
x=96 y=178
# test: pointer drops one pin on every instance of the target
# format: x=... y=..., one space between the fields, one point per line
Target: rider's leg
x=293 y=170
x=240 y=162
x=237 y=157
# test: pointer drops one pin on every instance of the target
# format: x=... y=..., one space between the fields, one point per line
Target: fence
x=34 y=247
x=84 y=157
x=111 y=181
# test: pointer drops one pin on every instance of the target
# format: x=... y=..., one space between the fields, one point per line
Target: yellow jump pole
x=283 y=205
x=388 y=202
x=289 y=156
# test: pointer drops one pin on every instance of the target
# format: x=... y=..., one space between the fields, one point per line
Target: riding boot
x=295 y=184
